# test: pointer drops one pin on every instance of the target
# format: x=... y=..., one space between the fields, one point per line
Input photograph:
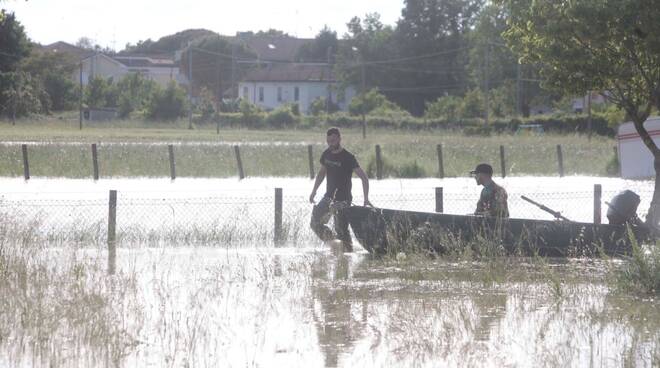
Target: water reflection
x=364 y=318
x=209 y=307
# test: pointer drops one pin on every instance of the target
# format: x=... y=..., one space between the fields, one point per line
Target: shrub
x=251 y=115
x=281 y=117
x=446 y=107
x=167 y=104
x=411 y=170
x=321 y=105
x=388 y=169
x=481 y=130
x=100 y=92
x=641 y=274
x=613 y=167
x=473 y=104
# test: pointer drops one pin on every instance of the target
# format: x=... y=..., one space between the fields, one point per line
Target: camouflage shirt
x=493 y=201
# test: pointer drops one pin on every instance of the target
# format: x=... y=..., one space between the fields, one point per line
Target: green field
x=58 y=148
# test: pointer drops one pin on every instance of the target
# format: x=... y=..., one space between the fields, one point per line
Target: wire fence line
x=219 y=219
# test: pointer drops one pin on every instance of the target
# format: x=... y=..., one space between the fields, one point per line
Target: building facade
x=274 y=85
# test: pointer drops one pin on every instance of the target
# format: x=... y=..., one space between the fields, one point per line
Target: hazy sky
x=113 y=23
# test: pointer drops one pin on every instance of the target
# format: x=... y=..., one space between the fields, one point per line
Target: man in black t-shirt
x=338 y=165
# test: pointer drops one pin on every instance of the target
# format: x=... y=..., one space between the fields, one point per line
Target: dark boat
x=385 y=230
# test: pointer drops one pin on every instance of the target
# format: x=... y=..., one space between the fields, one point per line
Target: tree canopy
x=611 y=46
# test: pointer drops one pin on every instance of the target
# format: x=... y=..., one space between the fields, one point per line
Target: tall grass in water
x=53 y=311
x=641 y=272
x=235 y=228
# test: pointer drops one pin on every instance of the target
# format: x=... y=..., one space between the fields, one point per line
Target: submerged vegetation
x=640 y=274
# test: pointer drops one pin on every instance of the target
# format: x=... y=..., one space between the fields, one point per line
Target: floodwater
x=248 y=303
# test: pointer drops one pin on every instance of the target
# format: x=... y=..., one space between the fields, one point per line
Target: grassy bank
x=58 y=148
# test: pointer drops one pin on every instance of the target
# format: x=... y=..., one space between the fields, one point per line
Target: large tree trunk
x=653 y=216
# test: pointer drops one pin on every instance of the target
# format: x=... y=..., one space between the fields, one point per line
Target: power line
x=418 y=57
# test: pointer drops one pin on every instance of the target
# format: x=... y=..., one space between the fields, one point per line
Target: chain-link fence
x=219 y=219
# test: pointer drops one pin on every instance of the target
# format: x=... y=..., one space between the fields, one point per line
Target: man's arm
x=365 y=184
x=319 y=179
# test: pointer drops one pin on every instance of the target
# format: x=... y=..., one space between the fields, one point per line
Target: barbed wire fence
x=237 y=220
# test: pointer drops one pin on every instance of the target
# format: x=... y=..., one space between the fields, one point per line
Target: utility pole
x=233 y=71
x=80 y=100
x=190 y=87
x=486 y=86
x=329 y=99
x=364 y=90
x=589 y=114
x=518 y=90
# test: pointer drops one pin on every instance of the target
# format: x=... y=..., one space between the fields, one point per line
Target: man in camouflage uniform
x=493 y=199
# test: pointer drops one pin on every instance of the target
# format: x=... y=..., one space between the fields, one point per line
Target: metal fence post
x=112 y=226
x=379 y=163
x=441 y=165
x=310 y=155
x=241 y=173
x=439 y=202
x=598 y=193
x=95 y=162
x=616 y=155
x=278 y=216
x=170 y=148
x=502 y=162
x=26 y=163
x=560 y=161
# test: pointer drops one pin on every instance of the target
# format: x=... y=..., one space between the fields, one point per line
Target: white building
x=635 y=158
x=161 y=71
x=276 y=84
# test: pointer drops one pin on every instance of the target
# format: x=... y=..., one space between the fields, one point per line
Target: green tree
x=322 y=49
x=22 y=95
x=473 y=105
x=14 y=44
x=168 y=103
x=432 y=40
x=54 y=71
x=212 y=66
x=373 y=102
x=134 y=92
x=601 y=45
x=366 y=40
x=168 y=44
x=321 y=105
x=445 y=107
x=100 y=92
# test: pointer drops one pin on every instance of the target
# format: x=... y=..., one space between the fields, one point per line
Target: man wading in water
x=339 y=165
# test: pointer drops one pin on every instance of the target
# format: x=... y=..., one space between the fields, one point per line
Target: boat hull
x=383 y=230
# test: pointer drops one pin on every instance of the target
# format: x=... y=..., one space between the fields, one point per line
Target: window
x=245 y=93
x=296 y=93
x=261 y=94
x=279 y=94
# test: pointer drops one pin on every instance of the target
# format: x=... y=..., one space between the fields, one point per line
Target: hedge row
x=554 y=123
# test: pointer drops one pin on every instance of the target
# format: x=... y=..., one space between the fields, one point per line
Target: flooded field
x=203 y=298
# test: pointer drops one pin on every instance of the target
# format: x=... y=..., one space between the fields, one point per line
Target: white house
x=635 y=158
x=276 y=84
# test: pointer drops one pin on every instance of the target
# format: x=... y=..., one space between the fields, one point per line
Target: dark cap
x=483 y=169
x=333 y=130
